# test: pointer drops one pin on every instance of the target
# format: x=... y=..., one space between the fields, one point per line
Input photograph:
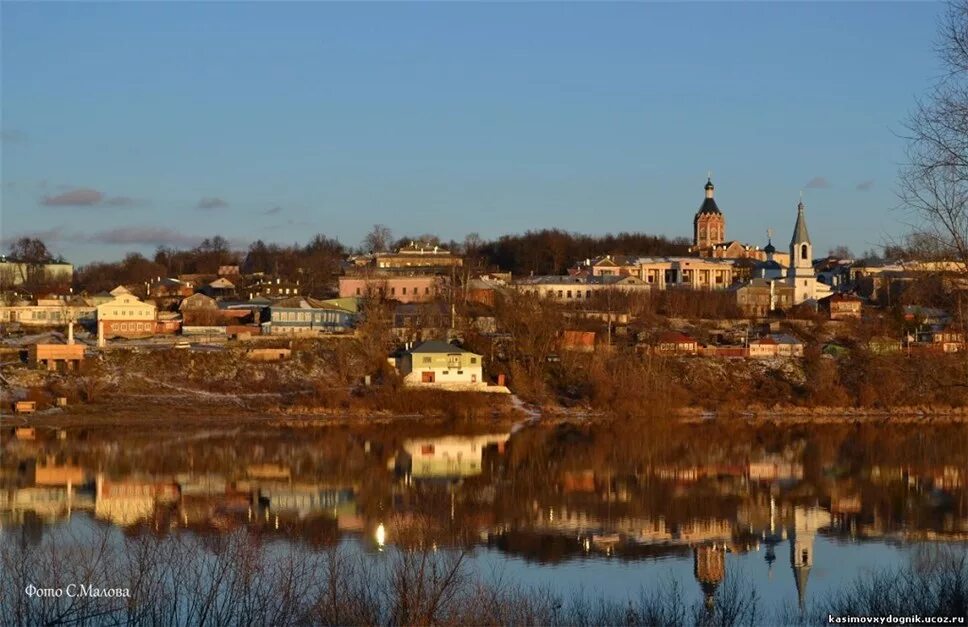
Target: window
x=426 y=290
x=473 y=360
x=404 y=290
x=393 y=291
x=559 y=293
x=588 y=294
x=803 y=251
x=426 y=360
x=569 y=293
x=357 y=291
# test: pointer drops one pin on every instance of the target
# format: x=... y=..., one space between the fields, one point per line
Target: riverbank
x=261 y=411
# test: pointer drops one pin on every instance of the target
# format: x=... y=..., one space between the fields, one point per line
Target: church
x=800 y=274
x=790 y=273
x=709 y=234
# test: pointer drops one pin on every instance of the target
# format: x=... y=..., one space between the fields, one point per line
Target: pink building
x=404 y=289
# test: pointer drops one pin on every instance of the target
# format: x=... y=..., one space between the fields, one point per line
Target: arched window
x=803 y=251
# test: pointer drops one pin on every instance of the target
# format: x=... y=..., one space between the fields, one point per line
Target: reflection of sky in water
x=555 y=515
x=837 y=564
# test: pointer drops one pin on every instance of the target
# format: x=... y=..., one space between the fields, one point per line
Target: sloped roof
x=438 y=346
x=222 y=284
x=669 y=337
x=800 y=235
x=305 y=302
x=709 y=207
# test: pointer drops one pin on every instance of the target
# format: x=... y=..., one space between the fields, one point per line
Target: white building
x=800 y=274
x=440 y=365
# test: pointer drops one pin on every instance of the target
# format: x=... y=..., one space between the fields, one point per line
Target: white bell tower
x=800 y=275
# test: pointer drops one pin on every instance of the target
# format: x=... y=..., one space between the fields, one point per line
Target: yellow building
x=126 y=316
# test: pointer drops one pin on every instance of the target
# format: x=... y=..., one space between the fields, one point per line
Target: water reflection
x=701 y=495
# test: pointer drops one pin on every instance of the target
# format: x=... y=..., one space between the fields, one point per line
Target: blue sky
x=128 y=125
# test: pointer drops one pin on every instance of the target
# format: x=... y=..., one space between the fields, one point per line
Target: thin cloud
x=211 y=202
x=273 y=211
x=80 y=197
x=122 y=201
x=148 y=236
x=53 y=234
x=865 y=186
x=12 y=136
x=143 y=236
x=86 y=197
x=817 y=182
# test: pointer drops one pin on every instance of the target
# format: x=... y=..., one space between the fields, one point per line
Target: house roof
x=304 y=302
x=197 y=301
x=222 y=284
x=841 y=297
x=438 y=346
x=669 y=337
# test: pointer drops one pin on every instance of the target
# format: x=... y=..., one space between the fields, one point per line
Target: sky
x=126 y=126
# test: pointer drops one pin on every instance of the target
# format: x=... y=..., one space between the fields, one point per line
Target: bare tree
x=378 y=239
x=934 y=181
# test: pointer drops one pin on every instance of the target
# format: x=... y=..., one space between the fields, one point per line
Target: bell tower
x=709 y=225
x=800 y=273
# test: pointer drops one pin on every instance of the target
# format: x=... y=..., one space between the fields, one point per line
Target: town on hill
x=612 y=325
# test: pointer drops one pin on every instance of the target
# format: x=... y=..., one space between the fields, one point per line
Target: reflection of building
x=705 y=530
x=306 y=499
x=126 y=502
x=49 y=503
x=774 y=468
x=450 y=456
x=772 y=536
x=806 y=522
x=709 y=567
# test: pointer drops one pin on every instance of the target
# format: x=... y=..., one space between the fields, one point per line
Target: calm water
x=797 y=513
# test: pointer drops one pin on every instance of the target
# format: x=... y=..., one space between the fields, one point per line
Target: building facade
x=305 y=316
x=401 y=288
x=440 y=364
x=126 y=316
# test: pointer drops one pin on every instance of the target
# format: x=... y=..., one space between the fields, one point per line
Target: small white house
x=440 y=364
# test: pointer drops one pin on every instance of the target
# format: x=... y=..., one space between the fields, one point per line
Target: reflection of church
x=799 y=527
x=709 y=568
